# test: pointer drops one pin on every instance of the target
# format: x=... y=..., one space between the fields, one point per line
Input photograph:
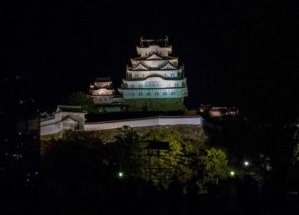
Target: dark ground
x=234 y=197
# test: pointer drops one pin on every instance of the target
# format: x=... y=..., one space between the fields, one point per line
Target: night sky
x=236 y=53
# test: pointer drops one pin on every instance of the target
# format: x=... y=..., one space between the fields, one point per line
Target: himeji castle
x=155 y=80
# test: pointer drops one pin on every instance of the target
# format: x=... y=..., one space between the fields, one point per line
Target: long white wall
x=51 y=127
x=56 y=126
x=153 y=121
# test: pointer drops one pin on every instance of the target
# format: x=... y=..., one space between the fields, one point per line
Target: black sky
x=240 y=53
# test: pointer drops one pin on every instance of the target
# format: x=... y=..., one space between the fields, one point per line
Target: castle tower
x=104 y=96
x=101 y=91
x=155 y=81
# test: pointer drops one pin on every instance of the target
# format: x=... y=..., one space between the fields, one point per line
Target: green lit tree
x=161 y=164
x=127 y=136
x=214 y=166
x=129 y=149
x=159 y=154
x=83 y=100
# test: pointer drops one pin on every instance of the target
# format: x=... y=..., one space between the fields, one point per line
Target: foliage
x=128 y=147
x=154 y=164
x=127 y=136
x=168 y=162
x=215 y=165
x=138 y=154
x=293 y=171
x=83 y=100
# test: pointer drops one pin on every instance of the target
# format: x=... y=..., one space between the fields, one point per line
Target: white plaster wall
x=51 y=128
x=48 y=121
x=154 y=63
x=197 y=120
x=156 y=82
x=154 y=93
x=54 y=119
x=56 y=127
x=162 y=73
x=181 y=121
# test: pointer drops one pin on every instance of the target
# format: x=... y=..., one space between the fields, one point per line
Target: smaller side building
x=101 y=91
x=104 y=96
x=64 y=118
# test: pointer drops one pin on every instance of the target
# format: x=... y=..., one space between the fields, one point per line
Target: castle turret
x=101 y=91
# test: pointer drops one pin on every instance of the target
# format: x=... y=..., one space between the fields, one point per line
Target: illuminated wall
x=153 y=121
x=62 y=120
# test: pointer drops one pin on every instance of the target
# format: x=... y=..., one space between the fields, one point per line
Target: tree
x=83 y=100
x=128 y=145
x=127 y=136
x=215 y=165
x=160 y=155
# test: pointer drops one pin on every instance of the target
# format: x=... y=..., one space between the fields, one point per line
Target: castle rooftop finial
x=141 y=41
x=150 y=42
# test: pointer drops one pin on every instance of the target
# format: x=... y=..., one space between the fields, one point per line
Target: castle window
x=140 y=94
x=164 y=94
x=156 y=93
x=148 y=94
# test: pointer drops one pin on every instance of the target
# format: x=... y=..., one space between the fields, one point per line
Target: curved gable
x=168 y=66
x=139 y=66
x=154 y=56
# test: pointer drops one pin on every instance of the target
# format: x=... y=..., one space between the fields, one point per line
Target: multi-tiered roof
x=154 y=74
x=101 y=91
